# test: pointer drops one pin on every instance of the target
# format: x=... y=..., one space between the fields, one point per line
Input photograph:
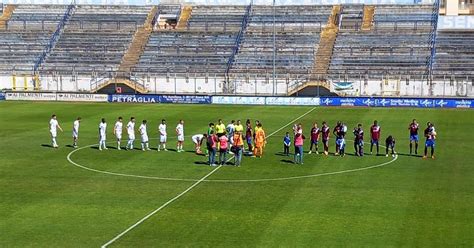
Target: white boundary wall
x=214 y=85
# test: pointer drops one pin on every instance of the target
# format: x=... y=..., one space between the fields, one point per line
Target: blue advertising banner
x=2 y=96
x=185 y=99
x=135 y=98
x=160 y=99
x=315 y=101
x=397 y=102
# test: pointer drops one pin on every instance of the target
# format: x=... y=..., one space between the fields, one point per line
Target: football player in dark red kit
x=248 y=135
x=413 y=127
x=325 y=132
x=340 y=132
x=390 y=144
x=336 y=131
x=374 y=136
x=359 y=140
x=315 y=132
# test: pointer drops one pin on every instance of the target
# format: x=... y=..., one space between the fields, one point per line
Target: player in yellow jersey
x=238 y=127
x=220 y=128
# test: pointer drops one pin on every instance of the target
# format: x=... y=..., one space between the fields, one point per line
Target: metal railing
x=434 y=17
x=100 y=80
x=238 y=39
x=54 y=37
x=103 y=79
x=384 y=26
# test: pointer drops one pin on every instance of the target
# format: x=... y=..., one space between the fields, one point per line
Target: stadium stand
x=95 y=39
x=217 y=18
x=297 y=38
x=317 y=77
x=315 y=44
x=454 y=55
x=26 y=31
x=397 y=44
x=201 y=47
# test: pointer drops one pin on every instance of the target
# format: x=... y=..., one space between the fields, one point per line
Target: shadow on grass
x=47 y=145
x=247 y=154
x=201 y=163
x=408 y=155
x=283 y=154
x=287 y=161
x=97 y=147
x=191 y=151
x=351 y=154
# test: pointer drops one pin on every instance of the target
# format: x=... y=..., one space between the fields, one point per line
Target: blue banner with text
x=160 y=99
x=397 y=102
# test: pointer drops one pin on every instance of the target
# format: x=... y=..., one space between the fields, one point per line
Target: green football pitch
x=88 y=198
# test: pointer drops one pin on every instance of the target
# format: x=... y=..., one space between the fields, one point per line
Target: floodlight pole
x=274 y=49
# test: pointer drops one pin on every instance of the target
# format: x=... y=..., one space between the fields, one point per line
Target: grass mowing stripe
x=190 y=188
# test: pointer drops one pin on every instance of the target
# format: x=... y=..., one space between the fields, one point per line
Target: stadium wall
x=251 y=86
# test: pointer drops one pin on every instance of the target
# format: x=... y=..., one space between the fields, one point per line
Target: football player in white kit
x=230 y=129
x=75 y=131
x=131 y=133
x=197 y=140
x=118 y=131
x=102 y=134
x=144 y=136
x=53 y=126
x=180 y=134
x=163 y=135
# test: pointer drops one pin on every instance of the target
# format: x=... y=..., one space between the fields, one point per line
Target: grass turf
x=46 y=201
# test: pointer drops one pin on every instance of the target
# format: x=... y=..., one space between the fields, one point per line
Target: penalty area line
x=190 y=188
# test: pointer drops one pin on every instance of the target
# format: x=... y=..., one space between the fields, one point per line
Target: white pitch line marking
x=121 y=174
x=187 y=190
x=304 y=176
x=225 y=180
x=158 y=209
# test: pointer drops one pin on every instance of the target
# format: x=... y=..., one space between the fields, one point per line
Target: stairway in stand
x=184 y=17
x=368 y=18
x=132 y=56
x=326 y=45
x=7 y=14
x=322 y=56
x=139 y=41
